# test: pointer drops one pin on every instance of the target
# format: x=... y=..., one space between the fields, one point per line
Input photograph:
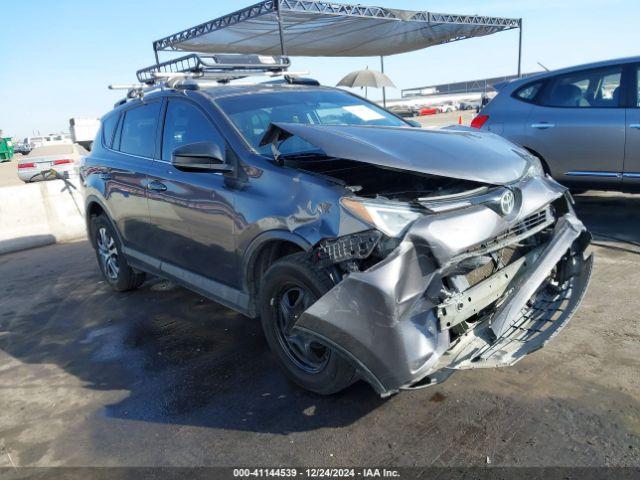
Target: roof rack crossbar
x=229 y=65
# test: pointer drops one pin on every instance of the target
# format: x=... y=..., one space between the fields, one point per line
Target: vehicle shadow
x=183 y=359
x=611 y=217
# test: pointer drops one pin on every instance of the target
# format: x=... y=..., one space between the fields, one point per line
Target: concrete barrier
x=36 y=214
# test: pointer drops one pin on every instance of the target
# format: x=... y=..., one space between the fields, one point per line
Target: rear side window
x=529 y=92
x=587 y=89
x=138 y=135
x=108 y=128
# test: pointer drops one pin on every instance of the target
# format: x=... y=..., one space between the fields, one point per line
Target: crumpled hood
x=462 y=154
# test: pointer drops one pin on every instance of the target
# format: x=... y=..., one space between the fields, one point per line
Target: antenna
x=543 y=66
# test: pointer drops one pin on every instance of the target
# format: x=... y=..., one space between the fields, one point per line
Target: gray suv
x=582 y=122
x=368 y=248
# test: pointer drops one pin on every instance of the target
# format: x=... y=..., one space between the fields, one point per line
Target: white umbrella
x=366 y=78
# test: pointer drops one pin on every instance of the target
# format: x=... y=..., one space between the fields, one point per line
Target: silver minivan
x=582 y=122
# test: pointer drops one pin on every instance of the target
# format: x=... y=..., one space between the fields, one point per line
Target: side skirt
x=228 y=296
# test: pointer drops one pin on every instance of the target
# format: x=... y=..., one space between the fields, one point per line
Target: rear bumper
x=386 y=319
x=28 y=174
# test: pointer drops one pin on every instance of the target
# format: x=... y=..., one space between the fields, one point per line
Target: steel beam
x=520 y=48
x=329 y=8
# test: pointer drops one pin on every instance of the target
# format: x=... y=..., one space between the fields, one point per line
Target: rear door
x=631 y=176
x=578 y=126
x=192 y=213
x=134 y=147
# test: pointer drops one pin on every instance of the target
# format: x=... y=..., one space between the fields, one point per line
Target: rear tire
x=112 y=262
x=289 y=287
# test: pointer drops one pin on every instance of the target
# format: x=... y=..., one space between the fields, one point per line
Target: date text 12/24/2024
x=316 y=472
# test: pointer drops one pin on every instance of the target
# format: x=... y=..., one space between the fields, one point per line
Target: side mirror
x=415 y=123
x=200 y=157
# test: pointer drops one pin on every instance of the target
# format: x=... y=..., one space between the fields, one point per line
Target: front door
x=578 y=127
x=192 y=213
x=631 y=176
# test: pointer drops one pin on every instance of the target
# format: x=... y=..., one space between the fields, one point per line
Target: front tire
x=113 y=264
x=289 y=287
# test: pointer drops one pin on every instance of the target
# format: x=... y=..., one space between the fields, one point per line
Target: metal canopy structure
x=327 y=29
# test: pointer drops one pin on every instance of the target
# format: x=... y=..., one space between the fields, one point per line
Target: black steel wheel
x=290 y=287
x=303 y=351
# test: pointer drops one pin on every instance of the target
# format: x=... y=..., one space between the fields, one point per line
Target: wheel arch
x=94 y=207
x=262 y=252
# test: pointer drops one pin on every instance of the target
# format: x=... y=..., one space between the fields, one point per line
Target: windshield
x=252 y=114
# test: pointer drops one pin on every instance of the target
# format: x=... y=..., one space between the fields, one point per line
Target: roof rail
x=222 y=68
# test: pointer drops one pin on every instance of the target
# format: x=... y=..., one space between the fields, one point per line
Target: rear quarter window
x=108 y=128
x=529 y=92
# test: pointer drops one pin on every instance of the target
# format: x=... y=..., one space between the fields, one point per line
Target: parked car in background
x=404 y=110
x=470 y=105
x=446 y=107
x=41 y=162
x=51 y=139
x=23 y=148
x=582 y=122
x=427 y=111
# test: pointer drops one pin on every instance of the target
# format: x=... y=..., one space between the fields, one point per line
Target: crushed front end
x=478 y=279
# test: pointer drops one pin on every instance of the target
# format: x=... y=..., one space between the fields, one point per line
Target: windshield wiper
x=304 y=155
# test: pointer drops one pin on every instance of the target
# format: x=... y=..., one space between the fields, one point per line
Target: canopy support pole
x=283 y=51
x=384 y=91
x=155 y=52
x=519 y=48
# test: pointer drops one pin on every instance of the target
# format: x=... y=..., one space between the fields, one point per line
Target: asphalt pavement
x=162 y=376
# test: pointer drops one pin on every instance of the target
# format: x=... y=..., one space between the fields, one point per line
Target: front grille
x=501 y=258
x=504 y=248
x=527 y=227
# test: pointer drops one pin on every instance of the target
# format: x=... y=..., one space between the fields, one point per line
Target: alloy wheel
x=108 y=253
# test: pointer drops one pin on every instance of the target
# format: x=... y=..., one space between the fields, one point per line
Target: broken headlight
x=388 y=217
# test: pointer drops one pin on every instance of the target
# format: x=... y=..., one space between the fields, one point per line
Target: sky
x=58 y=56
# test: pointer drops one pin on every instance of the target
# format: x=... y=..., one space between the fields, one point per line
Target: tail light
x=479 y=121
x=62 y=162
x=26 y=165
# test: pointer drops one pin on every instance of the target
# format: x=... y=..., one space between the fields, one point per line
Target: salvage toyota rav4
x=369 y=248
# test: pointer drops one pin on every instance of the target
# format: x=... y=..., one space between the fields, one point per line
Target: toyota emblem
x=507 y=202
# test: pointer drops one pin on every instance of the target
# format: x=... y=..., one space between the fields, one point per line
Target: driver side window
x=185 y=123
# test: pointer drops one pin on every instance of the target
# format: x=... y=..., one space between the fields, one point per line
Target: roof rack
x=221 y=68
x=194 y=71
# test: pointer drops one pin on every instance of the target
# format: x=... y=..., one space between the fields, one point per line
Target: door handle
x=543 y=125
x=156 y=186
x=635 y=125
x=105 y=176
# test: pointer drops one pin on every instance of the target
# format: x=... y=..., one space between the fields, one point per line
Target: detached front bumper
x=389 y=320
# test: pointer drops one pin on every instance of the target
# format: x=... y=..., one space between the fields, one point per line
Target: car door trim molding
x=218 y=292
x=631 y=175
x=587 y=173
